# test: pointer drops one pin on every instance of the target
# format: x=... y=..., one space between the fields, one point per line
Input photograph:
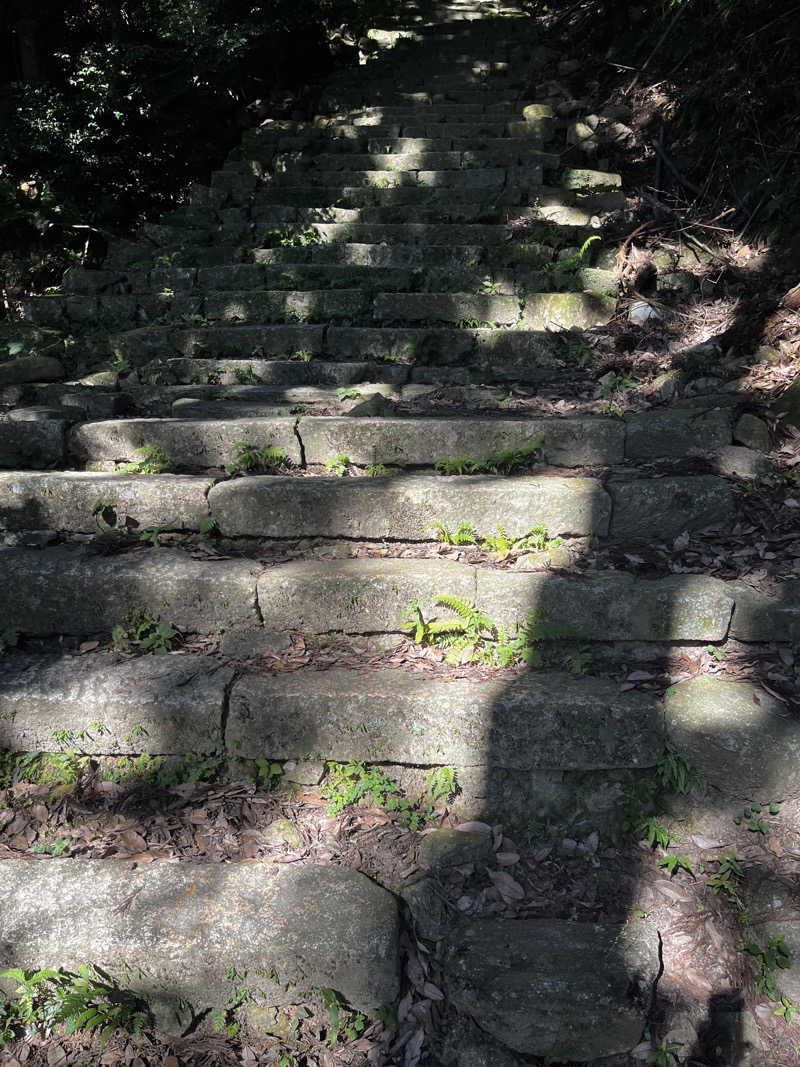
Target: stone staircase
x=273 y=396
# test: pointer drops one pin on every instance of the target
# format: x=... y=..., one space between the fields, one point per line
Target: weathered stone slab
x=662 y=508
x=357 y=596
x=269 y=305
x=35 y=444
x=565 y=311
x=31 y=369
x=611 y=606
x=253 y=342
x=448 y=346
x=553 y=988
x=744 y=740
x=445 y=307
x=65 y=591
x=173 y=930
x=405 y=506
x=161 y=705
x=526 y=722
x=188 y=443
x=676 y=432
x=590 y=181
x=766 y=618
x=565 y=442
x=65 y=500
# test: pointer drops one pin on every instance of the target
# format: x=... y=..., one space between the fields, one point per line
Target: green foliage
x=290 y=237
x=246 y=375
x=56 y=768
x=441 y=783
x=353 y=783
x=617 y=383
x=665 y=1054
x=726 y=879
x=104 y=509
x=775 y=954
x=143 y=633
x=348 y=394
x=153 y=461
x=268 y=773
x=506 y=461
x=343 y=1022
x=57 y=847
x=338 y=464
x=675 y=863
x=376 y=470
x=464 y=533
x=572 y=264
x=473 y=637
x=86 y=1001
x=535 y=540
x=249 y=458
x=677 y=775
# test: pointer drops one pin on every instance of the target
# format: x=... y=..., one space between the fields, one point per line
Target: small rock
x=642 y=313
x=282 y=832
x=307 y=772
x=452 y=848
x=570 y=66
x=582 y=135
x=665 y=386
x=741 y=462
x=752 y=432
x=373 y=406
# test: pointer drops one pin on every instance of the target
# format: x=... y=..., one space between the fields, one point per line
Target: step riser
x=368 y=508
x=168 y=933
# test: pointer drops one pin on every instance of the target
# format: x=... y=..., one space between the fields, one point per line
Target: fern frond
x=460 y=605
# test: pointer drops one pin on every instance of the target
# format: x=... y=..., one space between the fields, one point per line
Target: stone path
x=349 y=291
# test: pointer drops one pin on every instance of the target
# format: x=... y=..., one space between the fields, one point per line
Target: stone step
x=406 y=504
x=478 y=178
x=358 y=596
x=397 y=254
x=534 y=721
x=167 y=932
x=401 y=506
x=227 y=354
x=432 y=214
x=187 y=444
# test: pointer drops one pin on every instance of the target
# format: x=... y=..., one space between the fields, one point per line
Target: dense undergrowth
x=108 y=111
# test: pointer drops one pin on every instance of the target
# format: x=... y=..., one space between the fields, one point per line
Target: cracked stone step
x=493 y=178
x=32 y=439
x=412 y=234
x=527 y=984
x=261 y=306
x=205 y=373
x=660 y=509
x=581 y=441
x=168 y=932
x=66 y=590
x=445 y=307
x=430 y=214
x=372 y=596
x=260 y=341
x=531 y=722
x=65 y=501
x=374 y=254
x=741 y=737
x=405 y=505
x=109 y=705
x=189 y=444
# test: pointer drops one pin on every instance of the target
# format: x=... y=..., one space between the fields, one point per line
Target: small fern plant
x=473 y=636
